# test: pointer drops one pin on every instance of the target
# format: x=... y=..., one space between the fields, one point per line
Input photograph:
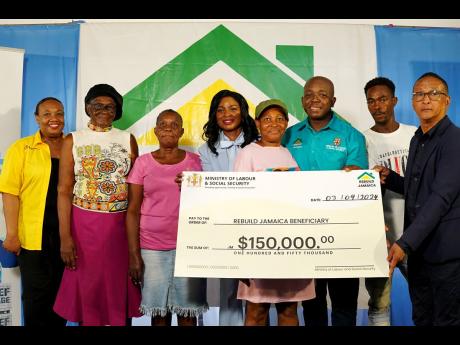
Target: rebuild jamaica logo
x=366 y=179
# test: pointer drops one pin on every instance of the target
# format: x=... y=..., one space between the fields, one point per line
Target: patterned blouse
x=102 y=162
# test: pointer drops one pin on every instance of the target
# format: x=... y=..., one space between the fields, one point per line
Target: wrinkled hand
x=136 y=269
x=178 y=179
x=383 y=172
x=69 y=253
x=12 y=244
x=245 y=282
x=395 y=256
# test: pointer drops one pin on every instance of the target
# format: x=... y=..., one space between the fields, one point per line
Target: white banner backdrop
x=156 y=66
x=11 y=67
x=11 y=61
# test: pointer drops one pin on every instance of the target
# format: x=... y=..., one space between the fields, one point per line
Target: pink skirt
x=99 y=291
x=276 y=290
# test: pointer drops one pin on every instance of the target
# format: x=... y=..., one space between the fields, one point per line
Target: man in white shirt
x=387 y=145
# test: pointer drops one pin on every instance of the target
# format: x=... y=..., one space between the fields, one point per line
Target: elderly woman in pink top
x=267 y=154
x=151 y=223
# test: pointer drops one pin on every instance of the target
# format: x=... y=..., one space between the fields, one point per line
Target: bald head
x=169 y=112
x=323 y=80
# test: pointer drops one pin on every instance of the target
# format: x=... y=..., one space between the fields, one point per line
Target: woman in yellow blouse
x=28 y=184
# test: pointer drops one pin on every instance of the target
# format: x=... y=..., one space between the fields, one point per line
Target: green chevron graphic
x=294 y=58
x=220 y=44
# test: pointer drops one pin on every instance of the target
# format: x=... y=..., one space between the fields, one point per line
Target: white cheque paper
x=293 y=224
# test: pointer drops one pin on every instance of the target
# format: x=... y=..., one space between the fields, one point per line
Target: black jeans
x=41 y=273
x=343 y=293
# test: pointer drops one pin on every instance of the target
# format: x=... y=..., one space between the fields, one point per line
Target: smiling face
x=169 y=129
x=228 y=115
x=381 y=104
x=318 y=98
x=50 y=119
x=272 y=124
x=431 y=111
x=102 y=111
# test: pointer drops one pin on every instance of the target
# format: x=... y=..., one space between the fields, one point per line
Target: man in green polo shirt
x=324 y=141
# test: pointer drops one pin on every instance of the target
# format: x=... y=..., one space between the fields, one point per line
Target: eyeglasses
x=110 y=108
x=381 y=100
x=433 y=95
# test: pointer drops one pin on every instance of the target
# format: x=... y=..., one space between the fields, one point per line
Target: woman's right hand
x=12 y=244
x=69 y=253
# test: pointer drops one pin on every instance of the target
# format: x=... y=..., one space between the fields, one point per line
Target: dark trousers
x=435 y=292
x=41 y=273
x=343 y=293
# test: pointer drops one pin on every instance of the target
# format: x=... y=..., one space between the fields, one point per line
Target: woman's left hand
x=136 y=269
x=178 y=179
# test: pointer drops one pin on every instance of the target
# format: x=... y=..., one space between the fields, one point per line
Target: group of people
x=87 y=202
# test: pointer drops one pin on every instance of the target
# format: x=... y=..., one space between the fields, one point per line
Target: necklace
x=97 y=128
